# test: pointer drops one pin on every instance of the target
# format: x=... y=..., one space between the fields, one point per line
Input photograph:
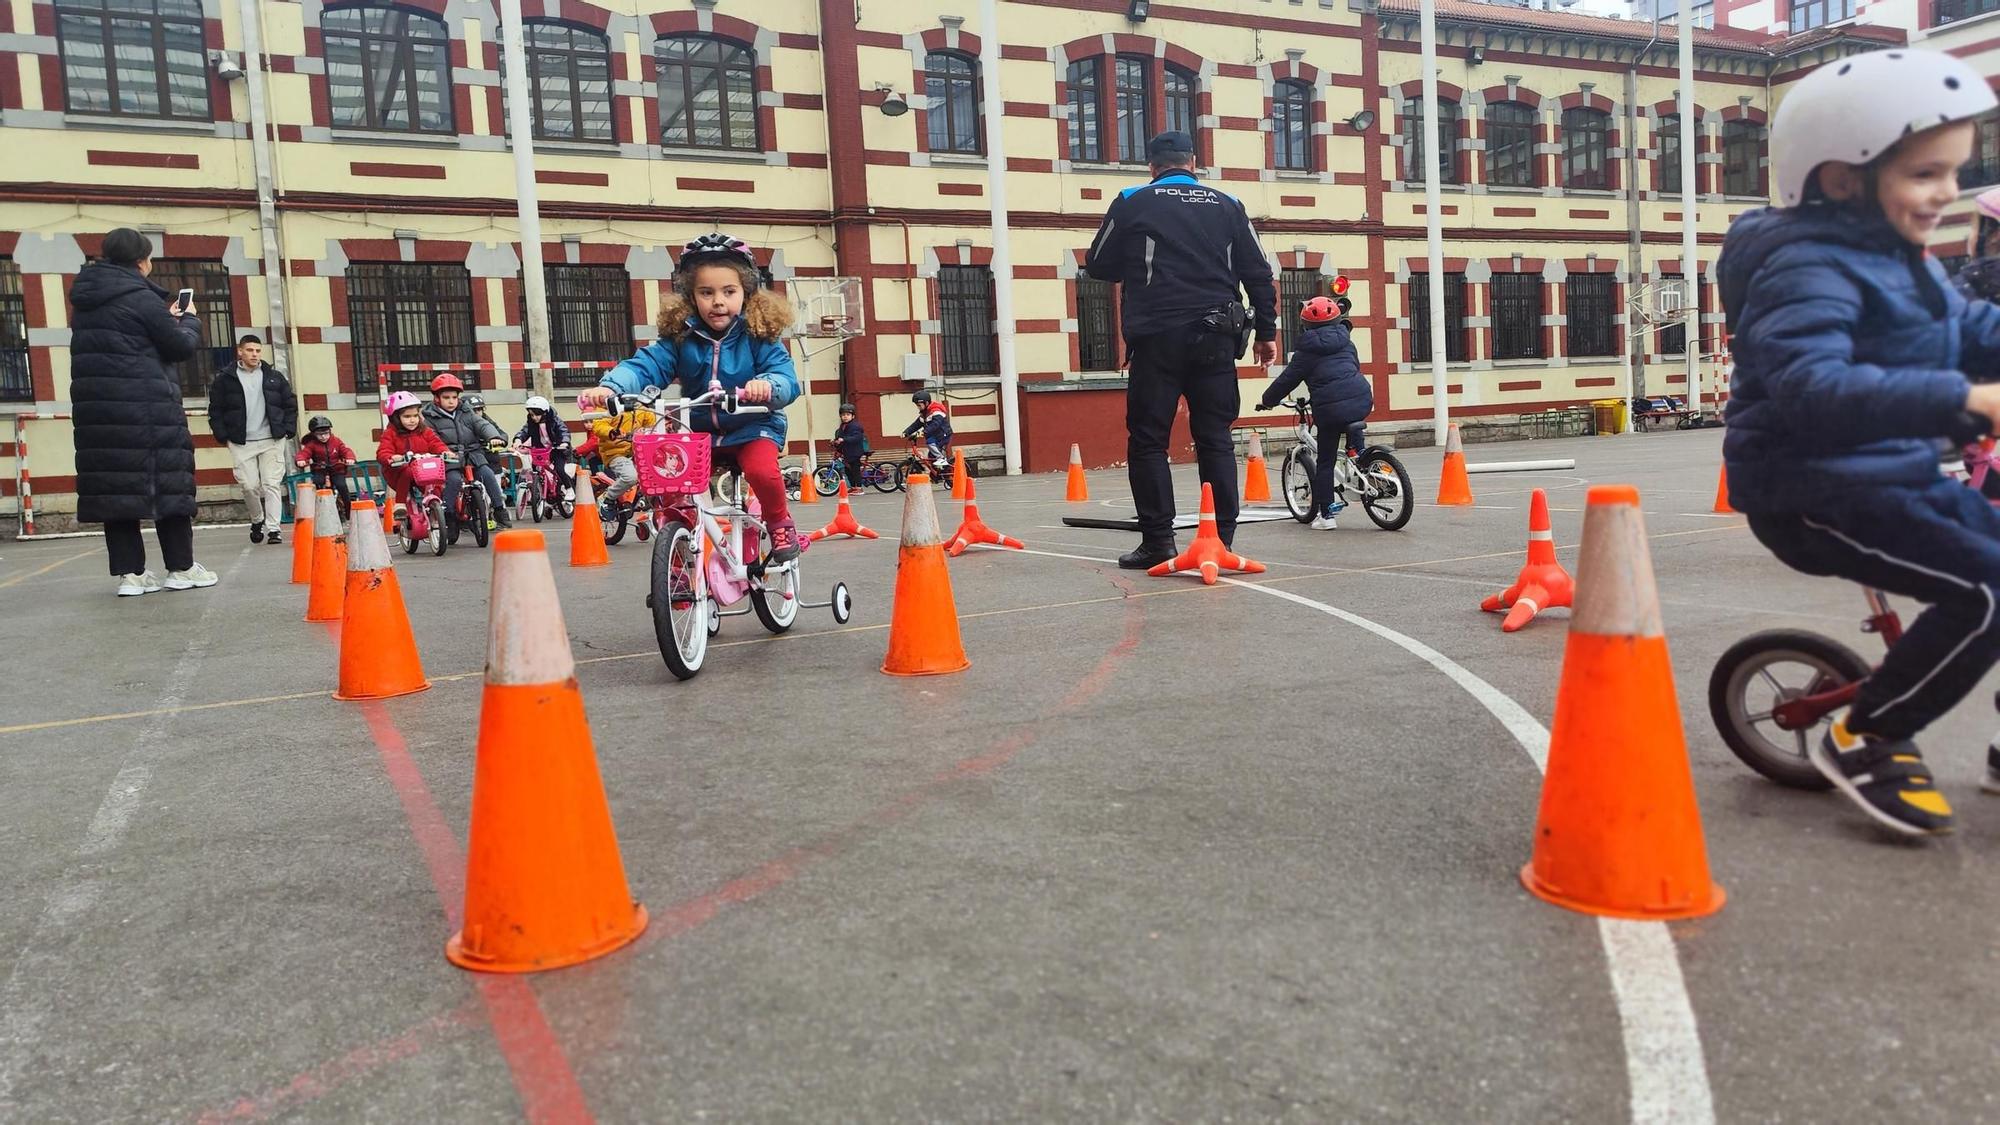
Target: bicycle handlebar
x=721 y=398
x=1970 y=428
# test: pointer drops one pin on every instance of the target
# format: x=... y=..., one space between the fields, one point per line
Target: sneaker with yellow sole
x=1886 y=778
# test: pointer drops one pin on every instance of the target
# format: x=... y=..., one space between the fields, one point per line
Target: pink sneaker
x=784 y=542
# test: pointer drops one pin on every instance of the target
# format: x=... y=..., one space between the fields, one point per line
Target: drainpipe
x=267 y=194
x=1635 y=366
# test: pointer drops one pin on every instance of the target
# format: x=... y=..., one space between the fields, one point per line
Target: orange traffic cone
x=1722 y=492
x=1543 y=583
x=378 y=653
x=961 y=484
x=1619 y=832
x=844 y=522
x=1454 y=487
x=1256 y=478
x=329 y=568
x=1206 y=553
x=304 y=507
x=808 y=491
x=544 y=884
x=1079 y=488
x=923 y=624
x=586 y=530
x=974 y=530
x=388 y=515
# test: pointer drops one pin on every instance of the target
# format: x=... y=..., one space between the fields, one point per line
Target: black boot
x=1147 y=555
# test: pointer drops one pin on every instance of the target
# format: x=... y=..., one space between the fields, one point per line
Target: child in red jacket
x=405 y=436
x=328 y=458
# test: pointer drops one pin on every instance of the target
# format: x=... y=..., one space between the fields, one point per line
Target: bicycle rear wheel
x=614 y=517
x=1385 y=489
x=888 y=478
x=680 y=610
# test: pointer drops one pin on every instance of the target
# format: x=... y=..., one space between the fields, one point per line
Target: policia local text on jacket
x=1185 y=254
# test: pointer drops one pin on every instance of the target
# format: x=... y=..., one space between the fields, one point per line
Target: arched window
x=569 y=75
x=951 y=81
x=133 y=58
x=1586 y=148
x=1413 y=140
x=1181 y=86
x=1510 y=145
x=387 y=68
x=1291 y=126
x=1743 y=158
x=708 y=93
x=1086 y=133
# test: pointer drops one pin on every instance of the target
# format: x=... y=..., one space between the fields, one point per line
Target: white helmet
x=1855 y=109
x=537 y=402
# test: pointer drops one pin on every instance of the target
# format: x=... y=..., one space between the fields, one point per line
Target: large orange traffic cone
x=586 y=530
x=1543 y=583
x=923 y=624
x=974 y=530
x=1256 y=477
x=304 y=507
x=1206 y=553
x=544 y=884
x=1454 y=487
x=844 y=522
x=808 y=491
x=961 y=484
x=378 y=653
x=329 y=569
x=1619 y=832
x=1079 y=488
x=1722 y=492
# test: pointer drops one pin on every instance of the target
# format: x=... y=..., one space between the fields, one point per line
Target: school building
x=374 y=221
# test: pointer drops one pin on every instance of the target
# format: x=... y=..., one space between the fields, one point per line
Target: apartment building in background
x=853 y=147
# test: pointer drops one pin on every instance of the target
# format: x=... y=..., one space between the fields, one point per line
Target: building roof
x=1637 y=31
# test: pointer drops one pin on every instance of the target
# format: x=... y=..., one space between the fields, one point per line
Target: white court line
x=41 y=959
x=1663 y=1061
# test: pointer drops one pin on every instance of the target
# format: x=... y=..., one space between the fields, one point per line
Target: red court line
x=365 y=1059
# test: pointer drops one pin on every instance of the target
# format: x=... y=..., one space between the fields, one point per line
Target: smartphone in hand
x=185 y=304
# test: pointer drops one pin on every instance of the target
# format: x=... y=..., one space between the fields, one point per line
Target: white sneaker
x=1323 y=522
x=133 y=585
x=194 y=577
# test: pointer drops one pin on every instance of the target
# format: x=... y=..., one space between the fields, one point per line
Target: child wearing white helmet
x=1850 y=347
x=545 y=430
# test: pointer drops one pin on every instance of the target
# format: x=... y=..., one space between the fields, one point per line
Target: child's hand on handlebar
x=755 y=391
x=1984 y=400
x=596 y=398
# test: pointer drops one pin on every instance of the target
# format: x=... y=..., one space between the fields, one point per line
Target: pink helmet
x=1988 y=203
x=399 y=402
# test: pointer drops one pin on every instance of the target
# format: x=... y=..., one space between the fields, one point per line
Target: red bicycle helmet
x=1319 y=310
x=447 y=382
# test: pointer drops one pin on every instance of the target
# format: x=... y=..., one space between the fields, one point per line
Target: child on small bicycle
x=1850 y=348
x=1325 y=360
x=720 y=323
x=404 y=437
x=611 y=440
x=328 y=458
x=850 y=440
x=545 y=430
x=469 y=435
x=933 y=424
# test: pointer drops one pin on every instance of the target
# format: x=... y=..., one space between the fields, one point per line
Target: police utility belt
x=1231 y=321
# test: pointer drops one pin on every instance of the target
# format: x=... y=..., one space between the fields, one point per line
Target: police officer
x=1185 y=254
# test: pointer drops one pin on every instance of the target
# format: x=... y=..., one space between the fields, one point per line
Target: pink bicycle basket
x=427 y=468
x=671 y=464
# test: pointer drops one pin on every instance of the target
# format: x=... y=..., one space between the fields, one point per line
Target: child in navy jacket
x=851 y=442
x=1325 y=360
x=1850 y=348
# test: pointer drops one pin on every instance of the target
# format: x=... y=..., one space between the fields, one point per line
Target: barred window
x=1667 y=141
x=1096 y=324
x=1590 y=330
x=1510 y=145
x=1586 y=148
x=708 y=93
x=1517 y=316
x=569 y=80
x=134 y=58
x=1413 y=140
x=1295 y=288
x=1984 y=168
x=212 y=307
x=410 y=312
x=1455 y=350
x=1180 y=87
x=1743 y=158
x=590 y=318
x=951 y=81
x=387 y=68
x=17 y=384
x=1291 y=127
x=965 y=316
x=1133 y=104
x=1086 y=134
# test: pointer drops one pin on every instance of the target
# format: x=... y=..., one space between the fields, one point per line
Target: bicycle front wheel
x=828 y=479
x=434 y=511
x=1385 y=489
x=482 y=514
x=680 y=609
x=1296 y=478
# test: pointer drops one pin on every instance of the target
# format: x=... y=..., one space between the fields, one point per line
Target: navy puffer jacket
x=1326 y=362
x=1850 y=348
x=134 y=454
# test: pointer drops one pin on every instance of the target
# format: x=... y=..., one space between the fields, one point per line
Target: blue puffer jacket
x=1850 y=346
x=1326 y=361
x=735 y=359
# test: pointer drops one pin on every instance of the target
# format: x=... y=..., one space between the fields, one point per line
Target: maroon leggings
x=758 y=459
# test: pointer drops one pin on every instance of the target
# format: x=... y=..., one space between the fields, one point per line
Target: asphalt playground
x=1164 y=852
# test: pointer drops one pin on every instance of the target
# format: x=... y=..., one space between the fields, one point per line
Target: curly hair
x=766 y=314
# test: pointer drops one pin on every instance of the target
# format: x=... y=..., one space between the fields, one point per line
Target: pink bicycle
x=1772 y=692
x=420 y=516
x=540 y=495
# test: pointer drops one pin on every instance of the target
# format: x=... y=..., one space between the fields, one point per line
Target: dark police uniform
x=1182 y=251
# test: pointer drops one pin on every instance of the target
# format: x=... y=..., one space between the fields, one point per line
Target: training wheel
x=714 y=617
x=843 y=604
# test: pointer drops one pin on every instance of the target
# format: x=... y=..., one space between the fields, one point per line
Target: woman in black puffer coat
x=134 y=455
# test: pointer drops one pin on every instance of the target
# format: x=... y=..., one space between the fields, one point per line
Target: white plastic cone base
x=1615 y=591
x=526 y=640
x=367 y=547
x=326 y=517
x=920 y=519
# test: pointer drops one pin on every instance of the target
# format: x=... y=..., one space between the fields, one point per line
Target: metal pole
x=1003 y=258
x=1434 y=224
x=1690 y=269
x=267 y=195
x=521 y=133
